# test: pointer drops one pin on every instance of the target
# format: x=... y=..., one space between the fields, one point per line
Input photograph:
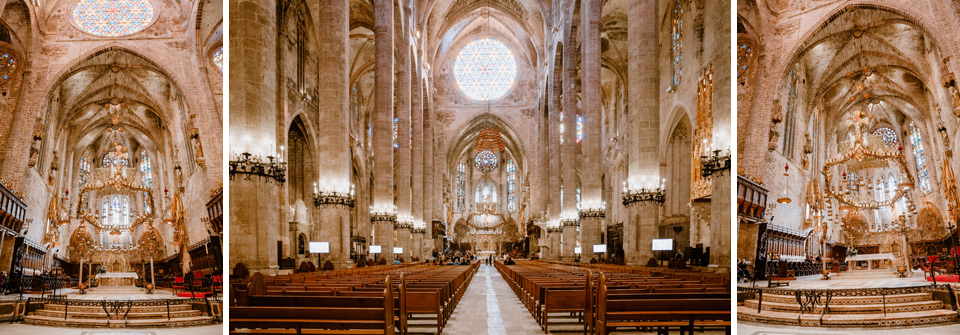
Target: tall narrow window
x=126 y=211
x=744 y=55
x=919 y=159
x=218 y=58
x=791 y=115
x=301 y=43
x=676 y=49
x=355 y=109
x=461 y=186
x=115 y=210
x=511 y=186
x=146 y=170
x=8 y=64
x=561 y=128
x=396 y=128
x=106 y=211
x=84 y=168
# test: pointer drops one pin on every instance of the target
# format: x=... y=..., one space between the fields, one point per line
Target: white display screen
x=599 y=248
x=319 y=247
x=576 y=250
x=374 y=249
x=397 y=250
x=663 y=244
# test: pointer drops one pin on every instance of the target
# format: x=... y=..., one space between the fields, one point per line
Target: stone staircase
x=908 y=309
x=139 y=316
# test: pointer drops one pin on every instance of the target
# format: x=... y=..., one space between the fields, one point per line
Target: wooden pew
x=315 y=315
x=683 y=313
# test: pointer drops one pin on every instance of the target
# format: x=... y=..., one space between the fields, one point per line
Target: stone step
x=135 y=309
x=131 y=323
x=856 y=300
x=132 y=315
x=903 y=319
x=851 y=309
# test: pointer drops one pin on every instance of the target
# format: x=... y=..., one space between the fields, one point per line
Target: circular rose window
x=485 y=69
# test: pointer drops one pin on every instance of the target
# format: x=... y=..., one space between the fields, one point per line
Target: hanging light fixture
x=784 y=199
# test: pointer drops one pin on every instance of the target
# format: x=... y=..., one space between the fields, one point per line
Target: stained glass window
x=889 y=136
x=744 y=54
x=84 y=168
x=113 y=17
x=561 y=128
x=146 y=169
x=791 y=115
x=115 y=210
x=485 y=69
x=461 y=186
x=112 y=158
x=396 y=127
x=146 y=202
x=8 y=64
x=511 y=186
x=579 y=128
x=355 y=107
x=486 y=161
x=218 y=58
x=677 y=41
x=106 y=211
x=126 y=211
x=919 y=159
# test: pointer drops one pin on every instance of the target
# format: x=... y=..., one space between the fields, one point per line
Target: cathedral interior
x=416 y=130
x=110 y=145
x=847 y=114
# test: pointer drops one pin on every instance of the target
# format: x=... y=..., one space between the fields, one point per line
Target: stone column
x=416 y=155
x=334 y=79
x=403 y=163
x=643 y=142
x=19 y=137
x=428 y=177
x=568 y=151
x=404 y=240
x=592 y=216
x=254 y=203
x=383 y=130
x=569 y=236
x=553 y=151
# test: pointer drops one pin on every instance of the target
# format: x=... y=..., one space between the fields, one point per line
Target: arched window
x=301 y=52
x=126 y=211
x=511 y=186
x=355 y=108
x=84 y=168
x=919 y=159
x=113 y=18
x=461 y=186
x=146 y=170
x=676 y=34
x=115 y=210
x=218 y=58
x=106 y=211
x=791 y=114
x=8 y=65
x=744 y=55
x=888 y=135
x=561 y=128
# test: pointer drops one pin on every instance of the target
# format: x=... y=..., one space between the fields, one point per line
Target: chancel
x=110 y=167
x=847 y=195
x=505 y=132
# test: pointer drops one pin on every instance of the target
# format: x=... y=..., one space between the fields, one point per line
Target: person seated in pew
x=509 y=261
x=396 y=261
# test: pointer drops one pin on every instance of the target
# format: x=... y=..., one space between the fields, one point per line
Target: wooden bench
x=656 y=312
x=315 y=315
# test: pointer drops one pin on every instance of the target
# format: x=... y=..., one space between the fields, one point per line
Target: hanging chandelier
x=489 y=139
x=860 y=175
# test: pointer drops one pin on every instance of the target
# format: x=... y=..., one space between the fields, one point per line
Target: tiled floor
x=489 y=306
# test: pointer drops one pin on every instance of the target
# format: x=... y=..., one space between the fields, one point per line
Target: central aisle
x=489 y=306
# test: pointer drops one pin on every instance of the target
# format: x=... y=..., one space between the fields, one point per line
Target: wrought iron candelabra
x=250 y=165
x=715 y=163
x=647 y=196
x=333 y=198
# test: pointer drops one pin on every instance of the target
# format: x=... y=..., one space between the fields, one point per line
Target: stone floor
x=745 y=328
x=490 y=307
x=850 y=280
x=26 y=329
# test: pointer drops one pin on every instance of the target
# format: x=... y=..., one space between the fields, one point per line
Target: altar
x=117 y=278
x=873 y=261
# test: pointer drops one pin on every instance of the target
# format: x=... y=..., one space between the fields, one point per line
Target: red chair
x=218 y=284
x=177 y=284
x=197 y=284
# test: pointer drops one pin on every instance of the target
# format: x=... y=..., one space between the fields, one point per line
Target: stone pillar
x=383 y=130
x=416 y=156
x=403 y=163
x=592 y=207
x=553 y=150
x=254 y=203
x=644 y=121
x=334 y=81
x=568 y=149
x=428 y=178
x=569 y=236
x=720 y=220
x=404 y=240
